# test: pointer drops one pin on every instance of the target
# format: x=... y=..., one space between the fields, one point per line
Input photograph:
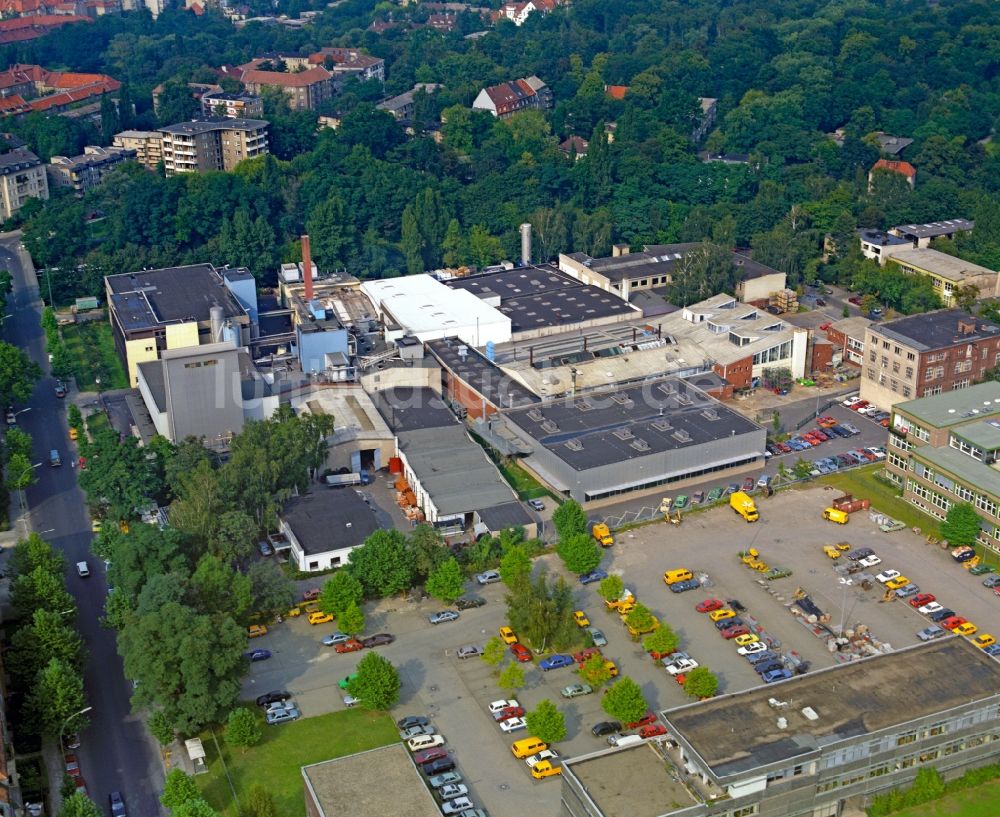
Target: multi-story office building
x=147 y=144
x=928 y=354
x=212 y=144
x=87 y=171
x=944 y=449
x=22 y=177
x=819 y=745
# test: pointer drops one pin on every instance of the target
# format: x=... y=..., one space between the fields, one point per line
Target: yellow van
x=544 y=768
x=679 y=575
x=507 y=635
x=836 y=515
x=527 y=747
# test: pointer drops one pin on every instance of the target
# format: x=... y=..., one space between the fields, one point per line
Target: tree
x=20 y=473
x=40 y=589
x=178 y=789
x=79 y=805
x=494 y=652
x=640 y=618
x=36 y=552
x=447 y=582
x=962 y=524
x=33 y=645
x=611 y=588
x=511 y=679
x=428 y=548
x=579 y=552
x=352 y=620
x=383 y=564
x=56 y=695
x=595 y=671
x=701 y=683
x=377 y=684
x=661 y=640
x=339 y=592
x=233 y=536
x=624 y=700
x=515 y=566
x=195 y=808
x=569 y=519
x=243 y=729
x=271 y=590
x=965 y=297
x=18 y=374
x=331 y=232
x=161 y=728
x=119 y=473
x=259 y=803
x=216 y=589
x=546 y=722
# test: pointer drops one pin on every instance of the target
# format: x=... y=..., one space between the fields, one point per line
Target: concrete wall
x=391 y=377
x=312 y=347
x=203 y=395
x=159 y=418
x=760 y=288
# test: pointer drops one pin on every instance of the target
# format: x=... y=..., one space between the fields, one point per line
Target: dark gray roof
x=937 y=330
x=656 y=259
x=489 y=380
x=535 y=296
x=408 y=409
x=592 y=429
x=936 y=228
x=749 y=269
x=151 y=298
x=331 y=519
x=881 y=239
x=507 y=515
x=197 y=126
x=15 y=160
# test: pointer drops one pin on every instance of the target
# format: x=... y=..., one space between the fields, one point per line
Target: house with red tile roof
x=616 y=91
x=26 y=88
x=510 y=98
x=20 y=29
x=306 y=90
x=904 y=169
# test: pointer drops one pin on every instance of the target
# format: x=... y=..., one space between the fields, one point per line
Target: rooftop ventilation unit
x=620 y=398
x=536 y=415
x=681 y=436
x=809 y=713
x=683 y=400
x=666 y=388
x=583 y=404
x=549 y=426
x=661 y=425
x=710 y=414
x=639 y=444
x=623 y=434
x=574 y=445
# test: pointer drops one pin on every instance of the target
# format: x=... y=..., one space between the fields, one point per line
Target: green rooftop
x=984 y=434
x=961 y=466
x=954 y=407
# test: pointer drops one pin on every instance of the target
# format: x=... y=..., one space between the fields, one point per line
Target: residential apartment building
x=87 y=171
x=944 y=449
x=510 y=98
x=28 y=88
x=22 y=177
x=947 y=272
x=822 y=744
x=146 y=144
x=240 y=105
x=306 y=90
x=212 y=144
x=349 y=62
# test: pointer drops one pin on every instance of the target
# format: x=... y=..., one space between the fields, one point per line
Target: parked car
x=941 y=615
x=508 y=712
x=932 y=632
x=452 y=790
x=679 y=666
x=277 y=696
x=556 y=662
x=652 y=730
x=378 y=640
x=776 y=675
x=645 y=720
x=435 y=767
x=708 y=605
x=763 y=667
x=351 y=645
x=575 y=690
x=766 y=655
x=537 y=504
x=545 y=754
x=887 y=575
x=681 y=502
x=754 y=647
x=593 y=576
x=446 y=779
x=283 y=715
x=257 y=655
x=412 y=720
x=585 y=653
x=680 y=587
x=469 y=651
x=497 y=706
x=444 y=615
x=319 y=617
x=605 y=728
x=992 y=581
x=416 y=731
x=429 y=755
x=869 y=561
x=726 y=623
x=921 y=599
x=735 y=632
x=716 y=493
x=469 y=603
x=488 y=577
x=581 y=619
x=456 y=806
x=344 y=683
x=117 y=804
x=335 y=638
x=520 y=652
x=513 y=725
x=597 y=637
x=265 y=549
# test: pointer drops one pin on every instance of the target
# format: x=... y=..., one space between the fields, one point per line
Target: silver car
x=598 y=637
x=452 y=790
x=489 y=577
x=283 y=715
x=335 y=638
x=414 y=731
x=470 y=651
x=455 y=806
x=444 y=615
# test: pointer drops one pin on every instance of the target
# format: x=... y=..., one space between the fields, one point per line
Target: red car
x=645 y=720
x=859 y=405
x=820 y=434
x=826 y=421
x=921 y=599
x=784 y=448
x=583 y=655
x=824 y=326
x=952 y=622
x=653 y=730
x=708 y=605
x=427 y=755
x=855 y=299
x=311 y=594
x=351 y=645
x=732 y=632
x=509 y=712
x=72 y=766
x=520 y=652
x=810 y=437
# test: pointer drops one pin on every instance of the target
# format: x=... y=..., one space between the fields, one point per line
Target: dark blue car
x=776 y=675
x=593 y=576
x=257 y=655
x=556 y=662
x=680 y=587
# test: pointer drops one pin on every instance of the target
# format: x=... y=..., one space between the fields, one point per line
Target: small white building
x=323 y=528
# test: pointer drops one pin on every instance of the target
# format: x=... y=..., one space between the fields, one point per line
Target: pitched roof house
x=510 y=98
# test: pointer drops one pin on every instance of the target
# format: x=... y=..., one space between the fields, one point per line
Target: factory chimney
x=525 y=244
x=307 y=268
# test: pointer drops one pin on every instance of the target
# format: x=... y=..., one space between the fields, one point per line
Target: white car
x=850 y=401
x=545 y=754
x=684 y=665
x=496 y=706
x=425 y=742
x=878 y=452
x=750 y=649
x=452 y=790
x=513 y=725
x=931 y=607
x=887 y=576
x=456 y=805
x=870 y=561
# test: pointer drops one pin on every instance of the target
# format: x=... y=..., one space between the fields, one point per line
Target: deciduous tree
x=511 y=679
x=56 y=695
x=594 y=671
x=273 y=593
x=515 y=566
x=243 y=729
x=962 y=524
x=161 y=728
x=352 y=620
x=661 y=640
x=377 y=684
x=446 y=582
x=79 y=805
x=611 y=588
x=701 y=683
x=178 y=789
x=494 y=652
x=579 y=552
x=383 y=564
x=18 y=374
x=339 y=592
x=624 y=700
x=569 y=519
x=640 y=618
x=546 y=722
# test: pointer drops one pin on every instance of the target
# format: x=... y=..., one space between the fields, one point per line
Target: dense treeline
x=379 y=203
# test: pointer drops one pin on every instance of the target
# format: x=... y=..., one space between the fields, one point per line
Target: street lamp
x=14 y=414
x=65 y=723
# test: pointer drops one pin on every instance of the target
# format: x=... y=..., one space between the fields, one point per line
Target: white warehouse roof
x=431 y=310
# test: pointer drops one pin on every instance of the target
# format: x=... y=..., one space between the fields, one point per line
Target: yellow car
x=743 y=640
x=73 y=434
x=95 y=525
x=832 y=552
x=844 y=546
x=965 y=629
x=256 y=630
x=507 y=635
x=626 y=607
x=895 y=584
x=294 y=612
x=544 y=768
x=581 y=619
x=724 y=612
x=984 y=640
x=320 y=618
x=611 y=667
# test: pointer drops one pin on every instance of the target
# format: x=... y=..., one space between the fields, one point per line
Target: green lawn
x=980 y=801
x=276 y=760
x=862 y=483
x=92 y=348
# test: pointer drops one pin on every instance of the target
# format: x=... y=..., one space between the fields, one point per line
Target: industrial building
x=819 y=744
x=598 y=445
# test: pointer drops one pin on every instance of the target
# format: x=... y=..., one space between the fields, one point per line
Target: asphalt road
x=116 y=753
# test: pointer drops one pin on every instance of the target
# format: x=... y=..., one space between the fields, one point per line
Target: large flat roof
x=741 y=732
x=353 y=411
x=939 y=263
x=935 y=228
x=969 y=470
x=615 y=426
x=149 y=298
x=330 y=519
x=537 y=297
x=488 y=379
x=985 y=434
x=955 y=407
x=375 y=783
x=937 y=330
x=658 y=259
x=410 y=409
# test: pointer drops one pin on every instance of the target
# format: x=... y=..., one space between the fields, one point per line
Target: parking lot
x=455 y=693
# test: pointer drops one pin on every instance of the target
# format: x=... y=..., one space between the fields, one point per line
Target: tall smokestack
x=307 y=268
x=525 y=244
